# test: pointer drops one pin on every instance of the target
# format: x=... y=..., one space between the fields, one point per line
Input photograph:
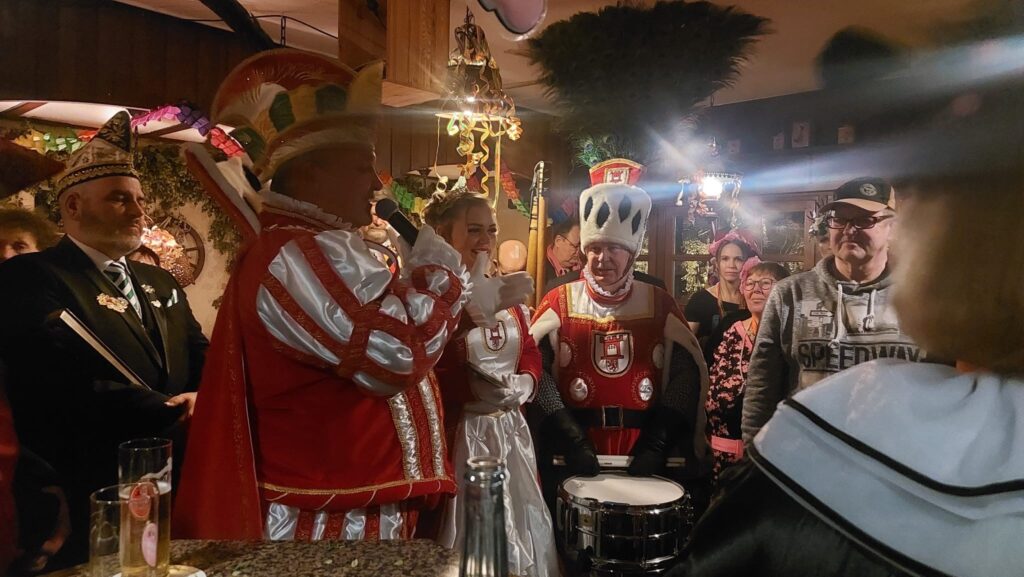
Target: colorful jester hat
x=286 y=102
x=614 y=209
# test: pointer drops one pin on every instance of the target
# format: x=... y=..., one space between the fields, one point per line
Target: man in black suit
x=70 y=406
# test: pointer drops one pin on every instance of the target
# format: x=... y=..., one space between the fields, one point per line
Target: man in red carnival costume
x=623 y=373
x=323 y=419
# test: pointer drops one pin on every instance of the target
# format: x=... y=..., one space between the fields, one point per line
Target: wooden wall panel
x=107 y=52
x=418 y=35
x=361 y=34
x=78 y=57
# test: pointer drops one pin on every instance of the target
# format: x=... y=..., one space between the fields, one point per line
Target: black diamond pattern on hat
x=624 y=209
x=602 y=214
x=587 y=208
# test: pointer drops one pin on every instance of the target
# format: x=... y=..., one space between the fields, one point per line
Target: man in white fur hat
x=623 y=373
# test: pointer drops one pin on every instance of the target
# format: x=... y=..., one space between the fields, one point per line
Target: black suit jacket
x=70 y=406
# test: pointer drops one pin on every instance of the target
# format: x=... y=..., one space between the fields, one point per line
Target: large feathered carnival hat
x=613 y=209
x=287 y=102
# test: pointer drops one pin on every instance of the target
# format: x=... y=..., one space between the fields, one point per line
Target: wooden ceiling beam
x=241 y=22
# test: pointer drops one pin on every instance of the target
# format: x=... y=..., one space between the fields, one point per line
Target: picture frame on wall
x=779 y=140
x=846 y=134
x=801 y=134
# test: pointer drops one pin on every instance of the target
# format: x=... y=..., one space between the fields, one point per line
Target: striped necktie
x=119 y=276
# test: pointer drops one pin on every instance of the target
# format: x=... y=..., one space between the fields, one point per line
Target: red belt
x=731 y=446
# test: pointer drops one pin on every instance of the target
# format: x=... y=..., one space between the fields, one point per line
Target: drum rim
x=599 y=562
x=630 y=509
x=596 y=506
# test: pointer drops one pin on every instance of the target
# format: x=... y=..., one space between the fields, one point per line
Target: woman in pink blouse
x=728 y=371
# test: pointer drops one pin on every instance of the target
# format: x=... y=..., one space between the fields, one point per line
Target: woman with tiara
x=486 y=374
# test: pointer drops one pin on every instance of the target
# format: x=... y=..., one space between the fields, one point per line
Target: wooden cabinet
x=677 y=250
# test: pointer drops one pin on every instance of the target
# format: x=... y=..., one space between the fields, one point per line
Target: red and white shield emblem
x=613 y=352
x=495 y=338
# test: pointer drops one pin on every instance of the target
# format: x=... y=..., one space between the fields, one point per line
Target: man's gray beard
x=127 y=245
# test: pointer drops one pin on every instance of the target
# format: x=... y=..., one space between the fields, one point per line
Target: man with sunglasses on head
x=838 y=315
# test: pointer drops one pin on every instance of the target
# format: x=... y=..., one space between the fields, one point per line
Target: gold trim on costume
x=406 y=429
x=434 y=420
x=297 y=491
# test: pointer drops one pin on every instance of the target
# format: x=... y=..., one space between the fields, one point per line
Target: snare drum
x=623 y=524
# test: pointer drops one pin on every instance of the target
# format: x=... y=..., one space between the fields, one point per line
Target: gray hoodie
x=815 y=325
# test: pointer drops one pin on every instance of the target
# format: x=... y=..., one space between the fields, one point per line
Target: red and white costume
x=323 y=419
x=482 y=423
x=320 y=417
x=612 y=353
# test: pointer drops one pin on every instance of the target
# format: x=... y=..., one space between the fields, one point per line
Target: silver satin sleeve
x=420 y=306
x=368 y=279
x=389 y=352
x=435 y=345
x=362 y=272
x=282 y=520
x=285 y=329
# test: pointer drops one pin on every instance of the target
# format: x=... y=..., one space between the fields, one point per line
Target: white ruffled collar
x=304 y=209
x=601 y=292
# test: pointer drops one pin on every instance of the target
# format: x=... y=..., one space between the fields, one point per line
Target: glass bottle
x=485 y=551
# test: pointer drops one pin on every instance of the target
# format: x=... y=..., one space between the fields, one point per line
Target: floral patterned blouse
x=724 y=403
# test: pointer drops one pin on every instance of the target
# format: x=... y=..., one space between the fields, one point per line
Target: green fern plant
x=626 y=75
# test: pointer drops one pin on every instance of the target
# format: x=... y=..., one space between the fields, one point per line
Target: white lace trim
x=592 y=282
x=306 y=209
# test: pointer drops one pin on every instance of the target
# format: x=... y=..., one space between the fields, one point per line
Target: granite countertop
x=416 y=558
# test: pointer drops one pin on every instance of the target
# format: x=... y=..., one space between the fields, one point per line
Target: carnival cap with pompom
x=287 y=102
x=613 y=209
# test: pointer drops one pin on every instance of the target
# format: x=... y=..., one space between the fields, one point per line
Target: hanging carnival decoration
x=188 y=115
x=49 y=142
x=478 y=111
x=508 y=185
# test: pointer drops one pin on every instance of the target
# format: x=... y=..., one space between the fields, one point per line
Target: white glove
x=514 y=389
x=492 y=295
x=430 y=249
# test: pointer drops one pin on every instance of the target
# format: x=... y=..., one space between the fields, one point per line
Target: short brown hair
x=958 y=288
x=772 y=269
x=44 y=231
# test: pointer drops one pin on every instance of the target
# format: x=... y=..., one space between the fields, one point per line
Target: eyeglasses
x=571 y=243
x=764 y=285
x=859 y=223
